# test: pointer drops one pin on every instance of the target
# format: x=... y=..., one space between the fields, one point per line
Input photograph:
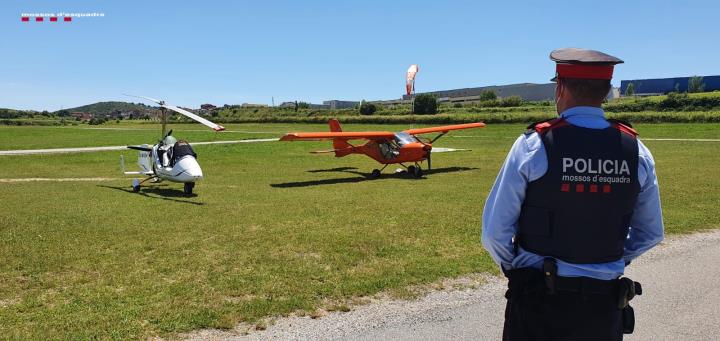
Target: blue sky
x=240 y=51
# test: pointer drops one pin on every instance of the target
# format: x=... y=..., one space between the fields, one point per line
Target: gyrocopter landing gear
x=189 y=187
x=136 y=183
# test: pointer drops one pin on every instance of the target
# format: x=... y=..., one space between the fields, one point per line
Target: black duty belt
x=585 y=285
x=530 y=281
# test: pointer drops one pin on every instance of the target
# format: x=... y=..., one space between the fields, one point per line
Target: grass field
x=272 y=230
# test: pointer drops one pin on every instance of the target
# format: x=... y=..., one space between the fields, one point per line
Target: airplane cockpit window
x=403 y=138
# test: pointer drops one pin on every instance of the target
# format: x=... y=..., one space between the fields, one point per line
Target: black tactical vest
x=580 y=210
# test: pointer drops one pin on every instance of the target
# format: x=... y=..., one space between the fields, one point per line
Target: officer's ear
x=559 y=89
x=560 y=96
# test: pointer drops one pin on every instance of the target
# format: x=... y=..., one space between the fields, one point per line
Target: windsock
x=411 y=72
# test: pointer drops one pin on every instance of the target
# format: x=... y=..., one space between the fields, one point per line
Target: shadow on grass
x=365 y=176
x=156 y=192
x=338 y=169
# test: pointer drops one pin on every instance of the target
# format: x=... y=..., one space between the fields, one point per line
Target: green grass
x=272 y=230
x=23 y=137
x=659 y=98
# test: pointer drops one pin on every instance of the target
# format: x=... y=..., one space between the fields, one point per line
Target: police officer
x=574 y=203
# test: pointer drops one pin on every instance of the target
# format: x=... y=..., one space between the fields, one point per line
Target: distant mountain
x=100 y=108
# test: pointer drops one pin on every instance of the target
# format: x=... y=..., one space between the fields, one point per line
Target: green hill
x=109 y=107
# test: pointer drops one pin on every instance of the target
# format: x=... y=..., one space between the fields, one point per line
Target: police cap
x=583 y=64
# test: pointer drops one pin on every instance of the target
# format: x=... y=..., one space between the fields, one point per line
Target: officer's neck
x=572 y=102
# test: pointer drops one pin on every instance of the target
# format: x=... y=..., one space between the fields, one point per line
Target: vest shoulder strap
x=543 y=127
x=624 y=127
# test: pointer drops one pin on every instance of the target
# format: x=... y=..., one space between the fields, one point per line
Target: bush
x=512 y=101
x=426 y=104
x=367 y=108
x=488 y=104
x=96 y=121
x=488 y=95
x=672 y=102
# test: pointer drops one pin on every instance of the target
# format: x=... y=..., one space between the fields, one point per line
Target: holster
x=627 y=290
x=628 y=320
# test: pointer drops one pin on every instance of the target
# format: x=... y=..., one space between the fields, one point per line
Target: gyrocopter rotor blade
x=214 y=126
x=147 y=98
x=197 y=118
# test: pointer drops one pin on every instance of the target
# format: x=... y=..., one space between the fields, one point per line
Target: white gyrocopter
x=169 y=159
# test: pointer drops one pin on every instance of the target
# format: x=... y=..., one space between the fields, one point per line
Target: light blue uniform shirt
x=526 y=162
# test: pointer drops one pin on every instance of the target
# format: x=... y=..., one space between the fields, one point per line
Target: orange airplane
x=383 y=146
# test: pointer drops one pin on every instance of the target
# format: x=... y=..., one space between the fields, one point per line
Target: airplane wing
x=444 y=129
x=214 y=126
x=355 y=135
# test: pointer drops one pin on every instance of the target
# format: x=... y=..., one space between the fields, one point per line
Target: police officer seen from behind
x=574 y=203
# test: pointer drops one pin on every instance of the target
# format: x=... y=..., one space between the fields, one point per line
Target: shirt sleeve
x=502 y=207
x=646 y=224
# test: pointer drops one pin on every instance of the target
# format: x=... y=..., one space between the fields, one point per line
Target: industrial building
x=336 y=104
x=526 y=91
x=659 y=86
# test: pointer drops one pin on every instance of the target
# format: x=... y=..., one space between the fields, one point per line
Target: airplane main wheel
x=411 y=170
x=417 y=172
x=189 y=187
x=375 y=173
x=136 y=185
x=136 y=188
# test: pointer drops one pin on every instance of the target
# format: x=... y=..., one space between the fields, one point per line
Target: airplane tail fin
x=341 y=146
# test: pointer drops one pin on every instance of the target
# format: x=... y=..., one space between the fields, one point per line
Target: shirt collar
x=583 y=111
